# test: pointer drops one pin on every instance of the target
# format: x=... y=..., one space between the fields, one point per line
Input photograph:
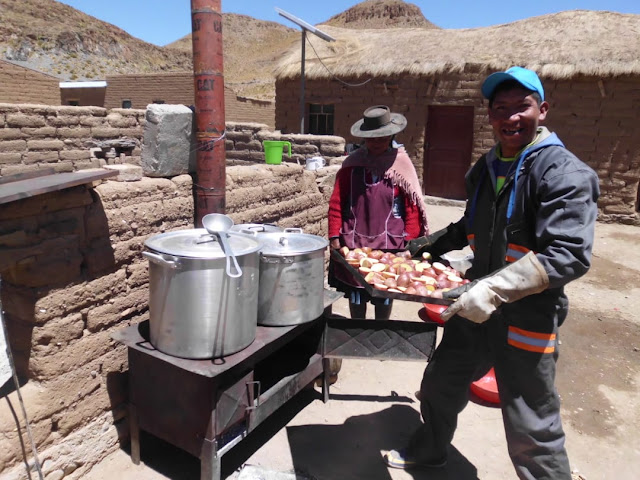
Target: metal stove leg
x=134 y=431
x=209 y=461
x=326 y=372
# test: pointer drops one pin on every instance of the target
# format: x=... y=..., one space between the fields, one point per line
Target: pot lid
x=256 y=227
x=198 y=243
x=285 y=243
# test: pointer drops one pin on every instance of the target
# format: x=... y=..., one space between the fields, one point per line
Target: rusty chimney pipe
x=206 y=18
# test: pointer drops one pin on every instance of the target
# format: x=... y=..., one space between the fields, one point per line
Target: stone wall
x=72 y=274
x=23 y=85
x=594 y=117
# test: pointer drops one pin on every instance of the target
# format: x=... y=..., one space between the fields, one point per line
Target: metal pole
x=208 y=80
x=304 y=38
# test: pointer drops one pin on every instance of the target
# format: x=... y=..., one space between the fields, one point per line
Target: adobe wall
x=596 y=119
x=178 y=89
x=64 y=138
x=72 y=271
x=23 y=85
x=72 y=274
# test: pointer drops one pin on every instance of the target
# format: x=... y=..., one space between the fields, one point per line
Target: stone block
x=167 y=147
x=126 y=172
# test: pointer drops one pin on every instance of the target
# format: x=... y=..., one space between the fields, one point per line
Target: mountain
x=54 y=38
x=251 y=50
x=57 y=39
x=381 y=14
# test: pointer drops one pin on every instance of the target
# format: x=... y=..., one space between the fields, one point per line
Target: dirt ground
x=373 y=408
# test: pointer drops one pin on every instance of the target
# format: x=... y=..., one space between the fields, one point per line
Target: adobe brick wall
x=23 y=85
x=72 y=274
x=595 y=118
x=244 y=143
x=177 y=88
x=33 y=137
x=65 y=138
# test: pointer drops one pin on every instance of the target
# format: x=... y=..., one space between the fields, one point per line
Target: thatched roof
x=560 y=45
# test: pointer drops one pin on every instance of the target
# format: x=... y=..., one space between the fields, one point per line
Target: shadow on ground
x=353 y=450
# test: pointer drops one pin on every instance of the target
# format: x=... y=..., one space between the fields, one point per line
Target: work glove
x=419 y=245
x=477 y=300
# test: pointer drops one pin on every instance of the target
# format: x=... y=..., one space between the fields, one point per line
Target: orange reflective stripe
x=519 y=248
x=532 y=341
x=515 y=252
x=531 y=348
x=527 y=333
x=471 y=240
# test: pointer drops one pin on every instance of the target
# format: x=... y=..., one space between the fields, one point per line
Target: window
x=73 y=103
x=126 y=103
x=159 y=102
x=320 y=119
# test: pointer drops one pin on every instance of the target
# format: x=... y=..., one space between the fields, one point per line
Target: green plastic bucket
x=273 y=151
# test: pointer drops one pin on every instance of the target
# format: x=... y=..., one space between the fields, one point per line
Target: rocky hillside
x=381 y=14
x=251 y=50
x=59 y=40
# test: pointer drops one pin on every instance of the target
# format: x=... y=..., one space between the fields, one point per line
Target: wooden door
x=447 y=151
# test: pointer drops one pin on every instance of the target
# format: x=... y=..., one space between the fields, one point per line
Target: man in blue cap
x=529 y=219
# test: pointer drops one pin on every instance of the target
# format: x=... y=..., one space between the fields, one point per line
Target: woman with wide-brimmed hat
x=377 y=202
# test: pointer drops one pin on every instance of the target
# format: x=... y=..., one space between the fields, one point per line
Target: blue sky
x=163 y=21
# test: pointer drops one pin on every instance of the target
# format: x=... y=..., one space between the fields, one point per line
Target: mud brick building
x=433 y=76
x=23 y=85
x=137 y=91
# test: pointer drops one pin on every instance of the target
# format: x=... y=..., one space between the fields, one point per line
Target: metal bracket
x=253 y=394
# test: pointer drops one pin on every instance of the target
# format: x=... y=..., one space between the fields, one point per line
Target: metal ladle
x=218 y=224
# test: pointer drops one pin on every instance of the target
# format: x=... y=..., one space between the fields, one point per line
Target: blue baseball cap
x=527 y=78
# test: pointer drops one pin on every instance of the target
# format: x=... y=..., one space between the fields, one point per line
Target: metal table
x=205 y=407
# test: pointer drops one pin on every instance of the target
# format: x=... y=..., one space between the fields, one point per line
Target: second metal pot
x=291 y=278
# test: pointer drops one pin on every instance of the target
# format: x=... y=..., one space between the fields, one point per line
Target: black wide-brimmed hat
x=378 y=121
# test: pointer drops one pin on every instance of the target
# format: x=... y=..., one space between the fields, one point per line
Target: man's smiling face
x=514 y=115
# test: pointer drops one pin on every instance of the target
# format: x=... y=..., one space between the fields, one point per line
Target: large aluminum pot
x=291 y=278
x=196 y=309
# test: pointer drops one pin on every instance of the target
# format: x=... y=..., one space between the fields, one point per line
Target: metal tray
x=374 y=292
